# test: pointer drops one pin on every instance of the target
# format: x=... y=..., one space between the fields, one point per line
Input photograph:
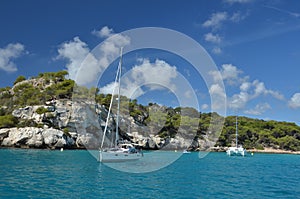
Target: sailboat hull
x=116 y=156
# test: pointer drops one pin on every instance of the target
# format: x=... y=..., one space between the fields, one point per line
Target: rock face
x=85 y=123
x=32 y=137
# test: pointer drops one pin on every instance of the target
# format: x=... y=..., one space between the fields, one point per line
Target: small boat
x=120 y=152
x=186 y=151
x=236 y=150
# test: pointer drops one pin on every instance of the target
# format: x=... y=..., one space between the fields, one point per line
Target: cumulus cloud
x=239 y=101
x=228 y=72
x=103 y=32
x=258 y=109
x=216 y=89
x=238 y=16
x=74 y=51
x=154 y=76
x=260 y=89
x=210 y=37
x=214 y=39
x=7 y=54
x=216 y=19
x=250 y=91
x=247 y=90
x=83 y=66
x=217 y=93
x=294 y=102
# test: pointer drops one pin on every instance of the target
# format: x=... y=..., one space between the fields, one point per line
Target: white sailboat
x=236 y=150
x=120 y=152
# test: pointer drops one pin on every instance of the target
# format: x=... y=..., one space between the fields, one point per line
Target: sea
x=32 y=173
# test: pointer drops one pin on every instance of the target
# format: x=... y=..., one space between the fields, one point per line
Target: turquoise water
x=76 y=174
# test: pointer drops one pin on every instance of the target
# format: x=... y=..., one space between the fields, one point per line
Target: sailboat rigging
x=120 y=152
x=237 y=150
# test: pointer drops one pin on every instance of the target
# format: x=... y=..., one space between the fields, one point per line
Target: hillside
x=47 y=112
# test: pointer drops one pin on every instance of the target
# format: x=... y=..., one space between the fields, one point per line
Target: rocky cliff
x=78 y=125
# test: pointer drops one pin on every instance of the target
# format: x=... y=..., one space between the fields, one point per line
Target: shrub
x=41 y=110
x=8 y=121
x=19 y=79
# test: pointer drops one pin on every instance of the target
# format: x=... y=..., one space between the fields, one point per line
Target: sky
x=253 y=44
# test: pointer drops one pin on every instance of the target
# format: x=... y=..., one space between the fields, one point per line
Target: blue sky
x=254 y=44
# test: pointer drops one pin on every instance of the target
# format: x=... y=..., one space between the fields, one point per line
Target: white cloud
x=245 y=86
x=260 y=89
x=82 y=65
x=7 y=54
x=248 y=90
x=217 y=93
x=237 y=1
x=109 y=88
x=294 y=102
x=103 y=32
x=238 y=101
x=228 y=73
x=159 y=73
x=216 y=20
x=74 y=51
x=259 y=109
x=204 y=106
x=217 y=50
x=209 y=37
x=111 y=46
x=216 y=89
x=237 y=17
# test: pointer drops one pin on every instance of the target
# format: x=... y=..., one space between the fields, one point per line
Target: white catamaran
x=237 y=150
x=120 y=152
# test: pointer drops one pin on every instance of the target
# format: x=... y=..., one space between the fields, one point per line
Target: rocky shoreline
x=54 y=139
x=74 y=125
x=50 y=138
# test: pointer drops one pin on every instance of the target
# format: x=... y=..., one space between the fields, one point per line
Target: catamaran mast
x=236 y=131
x=119 y=89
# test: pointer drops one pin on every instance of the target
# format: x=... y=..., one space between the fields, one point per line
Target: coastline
x=265 y=150
x=274 y=151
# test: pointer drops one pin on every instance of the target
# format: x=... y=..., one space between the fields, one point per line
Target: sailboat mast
x=119 y=89
x=236 y=131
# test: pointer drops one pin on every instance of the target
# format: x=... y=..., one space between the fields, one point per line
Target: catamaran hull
x=233 y=151
x=118 y=156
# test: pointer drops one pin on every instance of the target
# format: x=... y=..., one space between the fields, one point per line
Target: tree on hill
x=19 y=79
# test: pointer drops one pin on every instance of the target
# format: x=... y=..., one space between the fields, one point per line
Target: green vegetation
x=254 y=133
x=41 y=110
x=8 y=121
x=19 y=79
x=166 y=121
